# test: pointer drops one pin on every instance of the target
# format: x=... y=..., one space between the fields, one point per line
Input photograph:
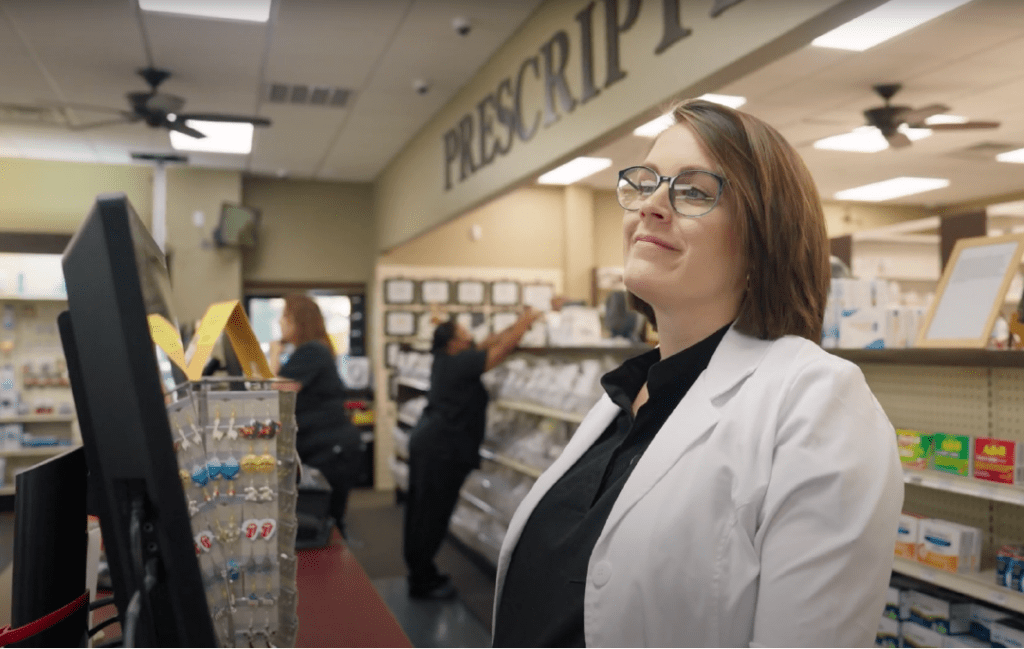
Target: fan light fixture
x=867 y=139
x=574 y=170
x=882 y=23
x=1016 y=155
x=654 y=127
x=221 y=137
x=255 y=11
x=945 y=119
x=892 y=188
x=732 y=101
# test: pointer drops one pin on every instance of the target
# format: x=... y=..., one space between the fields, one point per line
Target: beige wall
x=607 y=230
x=201 y=274
x=846 y=218
x=311 y=231
x=522 y=229
x=55 y=197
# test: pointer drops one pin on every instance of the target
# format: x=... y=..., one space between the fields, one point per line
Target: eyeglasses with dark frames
x=692 y=193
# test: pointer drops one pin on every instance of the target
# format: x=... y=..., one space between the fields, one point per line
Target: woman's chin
x=641 y=285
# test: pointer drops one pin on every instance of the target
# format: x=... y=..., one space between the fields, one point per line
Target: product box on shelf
x=954 y=454
x=915 y=635
x=942 y=611
x=950 y=546
x=915 y=448
x=982 y=619
x=908 y=541
x=888 y=634
x=963 y=640
x=998 y=460
x=1008 y=632
x=10 y=436
x=1010 y=567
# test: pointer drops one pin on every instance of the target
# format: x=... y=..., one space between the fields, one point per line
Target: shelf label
x=997 y=597
x=927 y=575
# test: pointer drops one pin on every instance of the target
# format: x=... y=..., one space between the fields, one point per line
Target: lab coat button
x=602 y=573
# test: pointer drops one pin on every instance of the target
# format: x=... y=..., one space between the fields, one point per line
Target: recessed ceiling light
x=1012 y=156
x=221 y=137
x=256 y=11
x=654 y=127
x=574 y=170
x=945 y=119
x=892 y=188
x=882 y=23
x=867 y=139
x=732 y=101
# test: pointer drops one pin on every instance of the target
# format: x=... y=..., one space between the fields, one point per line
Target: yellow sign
x=222 y=317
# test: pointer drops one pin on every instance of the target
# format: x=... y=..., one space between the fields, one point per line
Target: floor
x=375 y=538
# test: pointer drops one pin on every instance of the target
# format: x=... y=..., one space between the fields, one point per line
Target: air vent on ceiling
x=281 y=93
x=159 y=157
x=986 y=151
x=38 y=115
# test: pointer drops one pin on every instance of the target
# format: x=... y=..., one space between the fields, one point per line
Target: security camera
x=461 y=25
x=421 y=86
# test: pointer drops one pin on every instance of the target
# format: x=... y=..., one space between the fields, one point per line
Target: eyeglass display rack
x=965 y=392
x=37 y=412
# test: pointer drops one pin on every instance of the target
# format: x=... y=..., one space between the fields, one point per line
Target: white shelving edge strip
x=980 y=586
x=31 y=298
x=419 y=384
x=38 y=419
x=966 y=486
x=510 y=463
x=483 y=506
x=38 y=451
x=541 y=410
x=7 y=490
x=408 y=421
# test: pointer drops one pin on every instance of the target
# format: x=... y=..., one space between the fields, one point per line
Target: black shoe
x=442 y=589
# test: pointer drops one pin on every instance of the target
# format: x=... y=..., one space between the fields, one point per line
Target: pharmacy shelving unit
x=965 y=392
x=32 y=370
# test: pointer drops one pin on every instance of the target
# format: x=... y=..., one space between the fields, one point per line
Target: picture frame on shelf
x=435 y=291
x=399 y=291
x=538 y=296
x=400 y=323
x=971 y=292
x=469 y=292
x=505 y=293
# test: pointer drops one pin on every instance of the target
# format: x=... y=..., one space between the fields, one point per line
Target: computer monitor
x=116 y=276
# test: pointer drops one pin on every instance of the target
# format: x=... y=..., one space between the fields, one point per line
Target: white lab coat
x=764 y=512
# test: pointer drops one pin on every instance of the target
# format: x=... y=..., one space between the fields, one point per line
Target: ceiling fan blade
x=898 y=140
x=918 y=115
x=127 y=119
x=181 y=127
x=218 y=117
x=962 y=126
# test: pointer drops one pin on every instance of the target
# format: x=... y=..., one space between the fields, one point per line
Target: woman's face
x=287 y=328
x=677 y=263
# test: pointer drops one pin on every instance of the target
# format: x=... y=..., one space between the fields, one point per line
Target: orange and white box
x=908 y=542
x=949 y=546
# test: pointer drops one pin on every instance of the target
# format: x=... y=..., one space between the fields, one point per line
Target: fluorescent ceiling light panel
x=574 y=170
x=892 y=188
x=867 y=139
x=1016 y=155
x=945 y=119
x=256 y=11
x=221 y=137
x=654 y=127
x=732 y=101
x=884 y=22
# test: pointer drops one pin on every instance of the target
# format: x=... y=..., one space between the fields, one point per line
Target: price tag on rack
x=928 y=575
x=997 y=597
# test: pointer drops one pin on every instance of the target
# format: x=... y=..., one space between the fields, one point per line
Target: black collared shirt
x=542 y=599
x=452 y=425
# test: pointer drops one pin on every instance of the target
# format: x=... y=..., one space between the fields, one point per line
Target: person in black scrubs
x=326 y=438
x=444 y=446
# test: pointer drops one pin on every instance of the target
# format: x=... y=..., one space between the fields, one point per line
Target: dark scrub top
x=453 y=423
x=320 y=405
x=542 y=599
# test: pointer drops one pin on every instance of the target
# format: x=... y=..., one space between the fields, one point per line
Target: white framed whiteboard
x=971 y=292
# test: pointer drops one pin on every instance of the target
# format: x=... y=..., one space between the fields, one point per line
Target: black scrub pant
x=340 y=463
x=434 y=484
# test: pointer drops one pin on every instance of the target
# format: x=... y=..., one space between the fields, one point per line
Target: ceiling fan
x=889 y=118
x=159 y=109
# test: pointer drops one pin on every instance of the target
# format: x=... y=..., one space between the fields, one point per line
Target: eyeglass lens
x=693 y=193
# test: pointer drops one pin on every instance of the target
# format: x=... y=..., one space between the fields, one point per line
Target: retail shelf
x=540 y=410
x=404 y=419
x=7 y=491
x=38 y=419
x=510 y=463
x=589 y=350
x=483 y=506
x=949 y=357
x=417 y=384
x=37 y=451
x=31 y=298
x=980 y=586
x=966 y=486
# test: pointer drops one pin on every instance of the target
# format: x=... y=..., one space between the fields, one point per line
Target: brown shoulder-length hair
x=309 y=322
x=780 y=221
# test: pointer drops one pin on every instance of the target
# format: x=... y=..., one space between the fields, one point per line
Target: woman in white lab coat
x=738 y=485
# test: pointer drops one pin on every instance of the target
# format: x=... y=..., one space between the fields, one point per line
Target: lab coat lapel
x=737 y=356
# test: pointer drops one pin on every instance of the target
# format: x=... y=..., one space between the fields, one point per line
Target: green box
x=915 y=448
x=953 y=454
